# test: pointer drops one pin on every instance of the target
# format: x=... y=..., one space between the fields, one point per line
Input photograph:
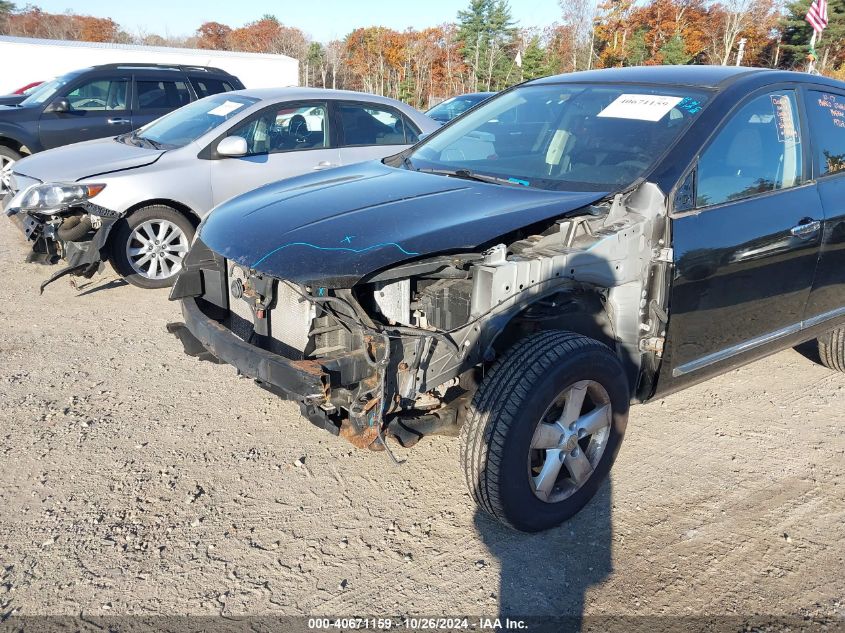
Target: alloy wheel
x=569 y=441
x=156 y=248
x=6 y=164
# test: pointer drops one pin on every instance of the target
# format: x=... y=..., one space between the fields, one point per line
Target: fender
x=20 y=135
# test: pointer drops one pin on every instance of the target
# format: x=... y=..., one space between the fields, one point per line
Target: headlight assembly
x=51 y=198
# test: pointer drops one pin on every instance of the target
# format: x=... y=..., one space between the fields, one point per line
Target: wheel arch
x=581 y=310
x=16 y=138
x=184 y=209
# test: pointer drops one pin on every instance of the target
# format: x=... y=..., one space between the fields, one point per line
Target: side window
x=758 y=150
x=154 y=94
x=827 y=125
x=99 y=95
x=207 y=86
x=286 y=129
x=374 y=125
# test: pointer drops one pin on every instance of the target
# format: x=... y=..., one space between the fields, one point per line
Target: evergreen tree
x=674 y=51
x=6 y=9
x=534 y=63
x=796 y=34
x=486 y=34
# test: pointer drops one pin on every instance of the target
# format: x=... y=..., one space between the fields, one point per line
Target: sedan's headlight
x=50 y=198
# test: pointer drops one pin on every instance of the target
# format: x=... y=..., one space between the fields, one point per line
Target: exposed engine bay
x=403 y=350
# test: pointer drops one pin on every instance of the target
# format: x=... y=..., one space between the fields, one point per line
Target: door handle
x=323 y=164
x=119 y=121
x=807 y=228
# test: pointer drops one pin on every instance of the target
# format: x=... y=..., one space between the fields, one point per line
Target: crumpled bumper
x=203 y=337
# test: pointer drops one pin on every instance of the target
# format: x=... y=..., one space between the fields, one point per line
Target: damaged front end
x=62 y=224
x=400 y=352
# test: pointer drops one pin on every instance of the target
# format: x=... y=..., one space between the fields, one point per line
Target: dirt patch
x=137 y=480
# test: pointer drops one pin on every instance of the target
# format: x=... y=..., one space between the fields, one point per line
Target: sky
x=323 y=20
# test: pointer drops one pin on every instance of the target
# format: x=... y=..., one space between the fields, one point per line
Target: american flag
x=817 y=15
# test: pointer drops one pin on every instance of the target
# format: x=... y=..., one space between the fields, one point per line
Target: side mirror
x=232 y=146
x=422 y=136
x=59 y=105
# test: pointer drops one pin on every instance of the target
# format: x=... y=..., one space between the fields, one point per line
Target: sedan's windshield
x=190 y=122
x=591 y=137
x=46 y=90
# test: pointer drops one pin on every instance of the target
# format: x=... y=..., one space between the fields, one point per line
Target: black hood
x=334 y=228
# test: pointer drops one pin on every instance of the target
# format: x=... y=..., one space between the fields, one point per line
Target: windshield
x=190 y=122
x=565 y=137
x=46 y=90
x=451 y=108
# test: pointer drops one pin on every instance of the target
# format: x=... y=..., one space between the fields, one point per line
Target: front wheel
x=544 y=428
x=148 y=247
x=8 y=157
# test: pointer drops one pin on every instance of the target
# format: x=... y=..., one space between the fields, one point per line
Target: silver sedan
x=136 y=199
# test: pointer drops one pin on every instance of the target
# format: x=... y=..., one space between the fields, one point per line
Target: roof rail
x=183 y=67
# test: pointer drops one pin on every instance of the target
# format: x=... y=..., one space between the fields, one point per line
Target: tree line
x=484 y=49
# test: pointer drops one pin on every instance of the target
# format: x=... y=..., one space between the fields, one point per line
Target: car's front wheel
x=148 y=247
x=544 y=428
x=8 y=157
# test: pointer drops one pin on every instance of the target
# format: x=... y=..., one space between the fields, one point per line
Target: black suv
x=102 y=101
x=573 y=245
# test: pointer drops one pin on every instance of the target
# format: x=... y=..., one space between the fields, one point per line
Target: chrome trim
x=821 y=318
x=745 y=346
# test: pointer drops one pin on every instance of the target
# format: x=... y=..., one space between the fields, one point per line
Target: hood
x=334 y=228
x=15 y=112
x=11 y=99
x=85 y=160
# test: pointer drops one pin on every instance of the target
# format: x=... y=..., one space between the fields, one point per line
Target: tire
x=132 y=237
x=8 y=157
x=503 y=469
x=832 y=349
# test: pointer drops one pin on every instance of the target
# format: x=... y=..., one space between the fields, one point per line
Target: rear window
x=206 y=86
x=154 y=94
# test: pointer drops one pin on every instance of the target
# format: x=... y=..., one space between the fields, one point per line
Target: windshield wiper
x=150 y=142
x=466 y=174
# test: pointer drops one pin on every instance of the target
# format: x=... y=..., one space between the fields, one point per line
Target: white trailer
x=26 y=60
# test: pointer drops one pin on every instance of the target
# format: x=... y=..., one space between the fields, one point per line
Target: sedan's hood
x=334 y=228
x=84 y=160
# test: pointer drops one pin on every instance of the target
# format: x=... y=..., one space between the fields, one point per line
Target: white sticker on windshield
x=227 y=107
x=640 y=107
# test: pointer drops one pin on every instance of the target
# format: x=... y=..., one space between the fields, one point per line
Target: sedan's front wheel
x=149 y=246
x=8 y=157
x=544 y=429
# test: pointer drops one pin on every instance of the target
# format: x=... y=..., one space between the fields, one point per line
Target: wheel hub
x=569 y=441
x=156 y=249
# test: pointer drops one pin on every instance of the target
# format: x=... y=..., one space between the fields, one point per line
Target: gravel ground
x=136 y=480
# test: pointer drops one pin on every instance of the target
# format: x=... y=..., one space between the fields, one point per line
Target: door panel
x=99 y=108
x=826 y=114
x=283 y=141
x=234 y=176
x=745 y=263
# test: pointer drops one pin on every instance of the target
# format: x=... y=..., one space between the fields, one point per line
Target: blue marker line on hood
x=333 y=248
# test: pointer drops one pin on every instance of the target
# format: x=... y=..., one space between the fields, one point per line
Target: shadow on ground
x=549 y=574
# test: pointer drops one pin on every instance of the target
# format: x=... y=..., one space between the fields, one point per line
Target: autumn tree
x=214 y=36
